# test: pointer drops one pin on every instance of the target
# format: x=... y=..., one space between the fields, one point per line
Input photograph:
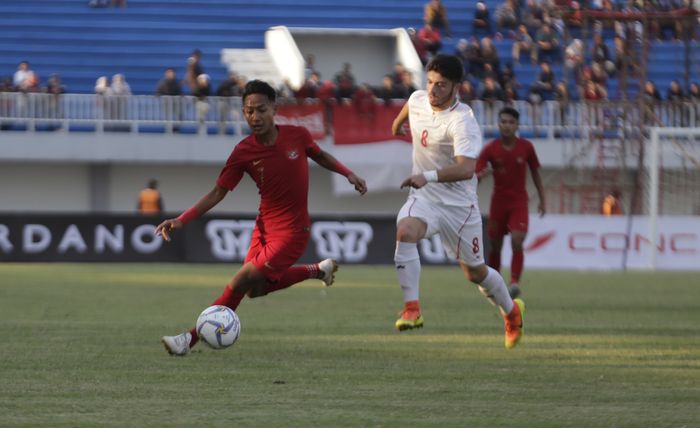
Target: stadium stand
x=81 y=43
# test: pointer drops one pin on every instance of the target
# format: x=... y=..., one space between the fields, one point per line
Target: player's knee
x=475 y=274
x=257 y=290
x=406 y=234
x=516 y=241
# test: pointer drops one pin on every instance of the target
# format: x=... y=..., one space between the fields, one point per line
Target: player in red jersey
x=275 y=158
x=509 y=156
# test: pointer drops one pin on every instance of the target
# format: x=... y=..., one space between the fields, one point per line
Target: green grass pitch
x=80 y=348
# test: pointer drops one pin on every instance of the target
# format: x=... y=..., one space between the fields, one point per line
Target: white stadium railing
x=148 y=113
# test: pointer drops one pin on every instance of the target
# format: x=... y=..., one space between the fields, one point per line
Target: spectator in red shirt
x=432 y=39
x=509 y=157
x=275 y=158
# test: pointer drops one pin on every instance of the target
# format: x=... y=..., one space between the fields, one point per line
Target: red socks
x=293 y=275
x=516 y=266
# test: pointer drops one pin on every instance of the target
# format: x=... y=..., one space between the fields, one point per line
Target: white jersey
x=439 y=136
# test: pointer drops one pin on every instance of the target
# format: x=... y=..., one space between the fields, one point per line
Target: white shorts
x=459 y=227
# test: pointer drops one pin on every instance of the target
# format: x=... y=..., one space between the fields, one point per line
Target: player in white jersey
x=442 y=198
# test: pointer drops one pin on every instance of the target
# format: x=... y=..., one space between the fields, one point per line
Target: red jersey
x=281 y=172
x=509 y=167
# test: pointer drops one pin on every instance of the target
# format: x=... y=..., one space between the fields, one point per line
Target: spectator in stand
x=599 y=76
x=467 y=93
x=508 y=81
x=169 y=85
x=54 y=85
x=491 y=90
x=419 y=45
x=573 y=61
x=398 y=73
x=344 y=82
x=601 y=55
x=326 y=94
x=462 y=52
x=103 y=91
x=21 y=75
x=490 y=72
x=102 y=86
x=364 y=101
x=227 y=89
x=543 y=88
x=285 y=92
x=574 y=18
x=522 y=43
x=202 y=92
x=56 y=88
x=623 y=58
x=563 y=98
x=310 y=87
x=675 y=92
x=389 y=90
x=310 y=65
x=475 y=61
x=630 y=29
x=482 y=19
x=694 y=93
x=6 y=85
x=432 y=39
x=119 y=85
x=435 y=14
x=533 y=17
x=651 y=93
x=194 y=70
x=120 y=89
x=31 y=83
x=407 y=83
x=611 y=204
x=592 y=91
x=489 y=55
x=546 y=43
x=506 y=15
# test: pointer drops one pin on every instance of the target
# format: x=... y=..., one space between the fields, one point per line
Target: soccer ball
x=218 y=326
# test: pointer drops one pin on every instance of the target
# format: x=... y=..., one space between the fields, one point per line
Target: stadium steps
x=257 y=63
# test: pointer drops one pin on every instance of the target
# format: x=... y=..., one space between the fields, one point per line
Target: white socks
x=495 y=289
x=407 y=263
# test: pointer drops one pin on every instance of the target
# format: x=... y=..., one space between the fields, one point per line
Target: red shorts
x=507 y=216
x=274 y=254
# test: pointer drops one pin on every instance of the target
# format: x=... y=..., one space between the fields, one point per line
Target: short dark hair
x=449 y=67
x=510 y=111
x=259 y=87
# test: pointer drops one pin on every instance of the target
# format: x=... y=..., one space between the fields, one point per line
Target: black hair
x=449 y=66
x=511 y=112
x=259 y=87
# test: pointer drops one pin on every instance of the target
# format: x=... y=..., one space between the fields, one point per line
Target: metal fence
x=146 y=113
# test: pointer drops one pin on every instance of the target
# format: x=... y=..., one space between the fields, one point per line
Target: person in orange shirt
x=150 y=200
x=611 y=204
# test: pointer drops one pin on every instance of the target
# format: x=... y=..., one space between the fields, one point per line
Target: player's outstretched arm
x=329 y=162
x=206 y=203
x=397 y=125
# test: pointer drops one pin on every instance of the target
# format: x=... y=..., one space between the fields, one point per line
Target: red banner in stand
x=310 y=116
x=370 y=124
